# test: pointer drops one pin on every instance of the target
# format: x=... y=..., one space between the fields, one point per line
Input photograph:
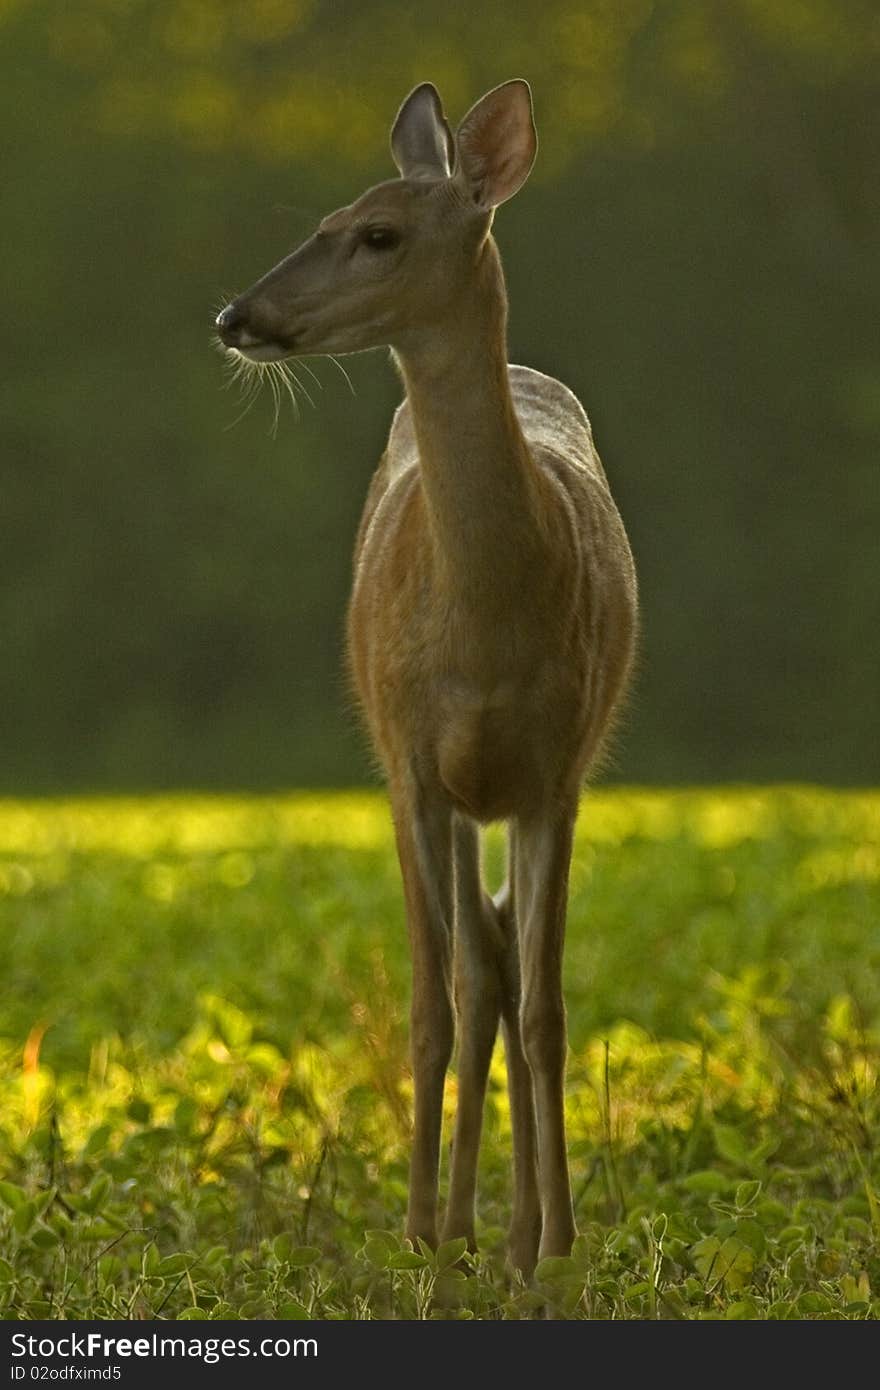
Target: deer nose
x=229 y=323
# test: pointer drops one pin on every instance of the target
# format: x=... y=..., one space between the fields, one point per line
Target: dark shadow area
x=695 y=255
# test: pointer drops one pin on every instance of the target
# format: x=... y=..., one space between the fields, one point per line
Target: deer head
x=399 y=259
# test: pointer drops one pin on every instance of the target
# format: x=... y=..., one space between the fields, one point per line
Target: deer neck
x=479 y=481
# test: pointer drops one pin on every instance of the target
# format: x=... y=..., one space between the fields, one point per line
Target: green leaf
x=705 y=1255
x=746 y=1193
x=406 y=1259
x=770 y=1212
x=389 y=1238
x=659 y=1226
x=637 y=1290
x=234 y=1025
x=571 y=1298
x=740 y=1310
x=673 y=1302
x=731 y=1145
x=251 y=1309
x=707 y=1182
x=793 y=1235
x=762 y=1151
x=282 y=1246
x=856 y=1291
x=186 y=1112
x=450 y=1253
x=44 y=1238
x=582 y=1253
x=303 y=1255
x=752 y=1235
x=292 y=1312
x=267 y=1059
x=782 y=1310
x=377 y=1253
x=173 y=1264
x=554 y=1267
x=12 y=1196
x=812 y=1302
x=735 y=1263
x=97 y=1141
x=24 y=1217
x=97 y=1194
x=44 y=1200
x=194 y=1315
x=109 y=1267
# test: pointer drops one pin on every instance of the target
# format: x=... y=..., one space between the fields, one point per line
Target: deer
x=491 y=631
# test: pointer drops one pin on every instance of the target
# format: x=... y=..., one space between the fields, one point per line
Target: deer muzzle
x=241 y=327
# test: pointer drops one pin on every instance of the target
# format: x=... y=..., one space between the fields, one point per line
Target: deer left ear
x=421 y=141
x=497 y=144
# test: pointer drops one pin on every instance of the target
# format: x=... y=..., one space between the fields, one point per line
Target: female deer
x=491 y=626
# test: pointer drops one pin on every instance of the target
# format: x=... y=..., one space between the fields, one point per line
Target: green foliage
x=204 y=1093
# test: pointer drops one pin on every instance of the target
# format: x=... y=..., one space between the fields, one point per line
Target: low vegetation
x=204 y=1093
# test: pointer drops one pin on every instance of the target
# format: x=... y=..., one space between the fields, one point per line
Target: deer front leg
x=542 y=866
x=525 y=1226
x=478 y=1001
x=424 y=845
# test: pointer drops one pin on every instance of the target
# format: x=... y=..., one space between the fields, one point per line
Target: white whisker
x=306 y=368
x=339 y=367
x=287 y=378
x=249 y=376
x=249 y=403
x=246 y=376
x=294 y=380
x=272 y=379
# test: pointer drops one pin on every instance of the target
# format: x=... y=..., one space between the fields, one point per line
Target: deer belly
x=486 y=762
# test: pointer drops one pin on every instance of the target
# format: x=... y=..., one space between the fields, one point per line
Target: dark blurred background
x=695 y=255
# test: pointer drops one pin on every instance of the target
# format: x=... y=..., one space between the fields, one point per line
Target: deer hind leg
x=542 y=866
x=423 y=826
x=487 y=982
x=478 y=990
x=525 y=1226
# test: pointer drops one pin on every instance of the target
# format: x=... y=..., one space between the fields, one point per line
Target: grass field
x=204 y=1092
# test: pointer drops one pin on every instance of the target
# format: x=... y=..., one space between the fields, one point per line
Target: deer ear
x=497 y=144
x=421 y=142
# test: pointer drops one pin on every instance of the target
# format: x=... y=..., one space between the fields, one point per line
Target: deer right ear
x=497 y=145
x=421 y=142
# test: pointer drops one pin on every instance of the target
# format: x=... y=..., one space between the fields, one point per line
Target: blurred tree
x=696 y=255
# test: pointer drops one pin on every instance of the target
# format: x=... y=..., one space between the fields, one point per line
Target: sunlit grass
x=205 y=1095
x=140 y=827
x=190 y=824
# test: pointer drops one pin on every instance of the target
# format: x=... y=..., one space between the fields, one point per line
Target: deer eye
x=380 y=238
